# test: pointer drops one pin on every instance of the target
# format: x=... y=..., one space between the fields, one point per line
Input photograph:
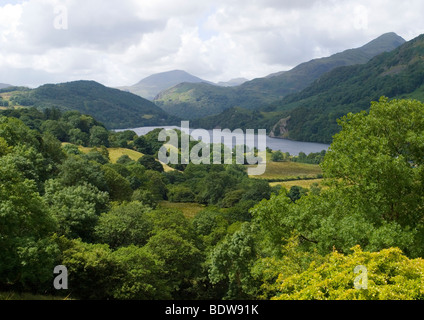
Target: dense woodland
x=104 y=221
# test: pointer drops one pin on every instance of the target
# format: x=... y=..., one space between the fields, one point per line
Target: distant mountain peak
x=152 y=85
x=194 y=101
x=384 y=43
x=4 y=85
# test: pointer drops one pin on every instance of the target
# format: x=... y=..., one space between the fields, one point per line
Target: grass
x=116 y=153
x=290 y=170
x=300 y=183
x=13 y=296
x=190 y=210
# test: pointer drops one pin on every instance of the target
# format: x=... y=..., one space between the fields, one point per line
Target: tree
x=76 y=208
x=76 y=170
x=93 y=271
x=180 y=194
x=58 y=129
x=377 y=159
x=98 y=273
x=76 y=136
x=145 y=197
x=119 y=188
x=390 y=276
x=156 y=185
x=99 y=136
x=277 y=156
x=296 y=193
x=144 y=276
x=25 y=226
x=180 y=256
x=127 y=224
x=210 y=226
x=375 y=195
x=150 y=163
x=231 y=261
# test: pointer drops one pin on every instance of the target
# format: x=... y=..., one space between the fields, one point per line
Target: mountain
x=232 y=82
x=114 y=108
x=3 y=85
x=193 y=101
x=311 y=115
x=149 y=87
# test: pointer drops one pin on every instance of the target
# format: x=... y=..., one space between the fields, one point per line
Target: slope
x=193 y=101
x=312 y=114
x=151 y=86
x=115 y=108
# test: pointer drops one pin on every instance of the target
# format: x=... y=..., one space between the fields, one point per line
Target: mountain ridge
x=194 y=101
x=149 y=87
x=116 y=109
x=311 y=114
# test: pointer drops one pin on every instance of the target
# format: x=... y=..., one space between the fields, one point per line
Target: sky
x=118 y=43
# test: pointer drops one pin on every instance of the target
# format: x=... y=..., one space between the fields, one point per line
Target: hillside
x=151 y=86
x=3 y=85
x=193 y=101
x=313 y=113
x=115 y=108
x=233 y=82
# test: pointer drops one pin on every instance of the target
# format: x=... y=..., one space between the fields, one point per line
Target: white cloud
x=120 y=42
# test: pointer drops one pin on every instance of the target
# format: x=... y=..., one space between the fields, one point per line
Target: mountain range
x=116 y=109
x=4 y=85
x=300 y=104
x=198 y=100
x=151 y=86
x=311 y=114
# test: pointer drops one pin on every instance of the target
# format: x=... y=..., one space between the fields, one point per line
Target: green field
x=116 y=153
x=188 y=209
x=300 y=183
x=290 y=170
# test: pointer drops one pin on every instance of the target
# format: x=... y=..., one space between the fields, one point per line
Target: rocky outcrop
x=280 y=129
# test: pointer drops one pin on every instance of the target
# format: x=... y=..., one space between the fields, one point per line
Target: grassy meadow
x=190 y=210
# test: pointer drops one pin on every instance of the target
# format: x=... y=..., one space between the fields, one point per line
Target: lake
x=284 y=145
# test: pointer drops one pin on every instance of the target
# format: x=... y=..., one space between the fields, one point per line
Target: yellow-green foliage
x=284 y=170
x=190 y=210
x=300 y=183
x=116 y=153
x=391 y=276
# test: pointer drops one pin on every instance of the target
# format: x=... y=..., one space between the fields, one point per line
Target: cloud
x=120 y=42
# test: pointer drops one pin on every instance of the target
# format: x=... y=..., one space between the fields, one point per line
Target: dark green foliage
x=198 y=100
x=118 y=187
x=150 y=163
x=116 y=109
x=314 y=111
x=99 y=136
x=125 y=225
x=148 y=144
x=76 y=170
x=76 y=208
x=107 y=223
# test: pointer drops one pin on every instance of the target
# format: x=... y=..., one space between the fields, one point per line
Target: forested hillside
x=115 y=108
x=312 y=114
x=194 y=101
x=151 y=86
x=314 y=111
